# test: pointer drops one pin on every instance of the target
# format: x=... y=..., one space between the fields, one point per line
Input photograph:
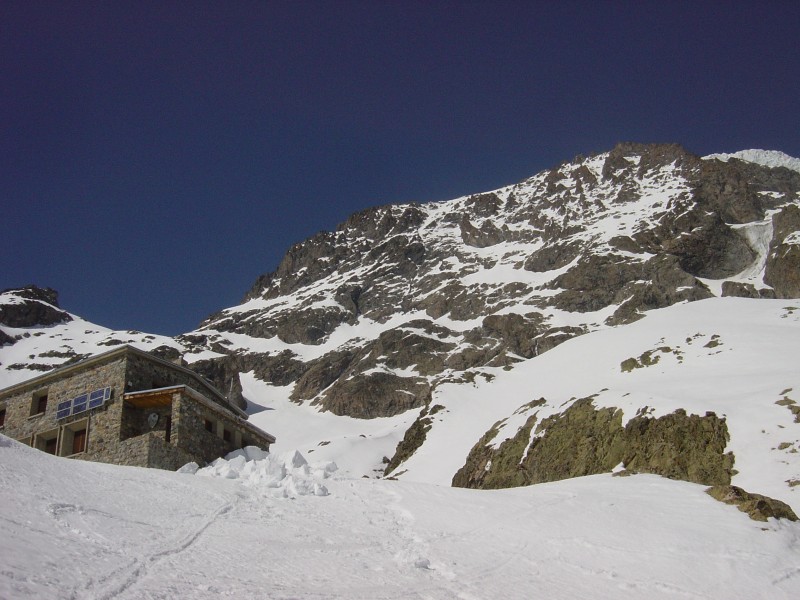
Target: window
x=79 y=441
x=74 y=438
x=39 y=404
x=226 y=435
x=209 y=425
x=46 y=441
x=2 y=417
x=168 y=428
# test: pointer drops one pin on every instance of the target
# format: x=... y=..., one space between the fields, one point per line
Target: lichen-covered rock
x=413 y=438
x=755 y=506
x=585 y=440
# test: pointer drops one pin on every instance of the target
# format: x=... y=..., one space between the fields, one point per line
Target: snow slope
x=81 y=530
x=736 y=357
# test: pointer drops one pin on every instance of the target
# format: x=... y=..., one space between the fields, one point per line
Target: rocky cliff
x=366 y=320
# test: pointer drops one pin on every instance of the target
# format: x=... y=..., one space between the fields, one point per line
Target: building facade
x=127 y=407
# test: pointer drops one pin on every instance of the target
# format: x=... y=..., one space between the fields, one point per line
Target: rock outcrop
x=32 y=306
x=755 y=506
x=587 y=440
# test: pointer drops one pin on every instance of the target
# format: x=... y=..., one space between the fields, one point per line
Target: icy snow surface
x=72 y=529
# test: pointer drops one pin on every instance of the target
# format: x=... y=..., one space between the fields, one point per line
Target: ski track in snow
x=116 y=584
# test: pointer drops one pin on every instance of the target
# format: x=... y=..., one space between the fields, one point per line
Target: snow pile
x=286 y=476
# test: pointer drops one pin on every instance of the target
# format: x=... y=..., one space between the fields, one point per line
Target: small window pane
x=79 y=404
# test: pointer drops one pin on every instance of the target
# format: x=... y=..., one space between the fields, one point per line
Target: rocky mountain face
x=373 y=319
x=367 y=320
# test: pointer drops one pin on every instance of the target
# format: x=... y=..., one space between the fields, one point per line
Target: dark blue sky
x=156 y=157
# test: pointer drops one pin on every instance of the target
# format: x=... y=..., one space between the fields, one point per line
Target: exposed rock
x=661 y=283
x=725 y=187
x=591 y=231
x=487 y=235
x=711 y=249
x=584 y=440
x=223 y=373
x=403 y=349
x=38 y=308
x=517 y=334
x=625 y=243
x=6 y=340
x=484 y=205
x=739 y=289
x=349 y=296
x=169 y=353
x=376 y=395
x=755 y=506
x=321 y=373
x=551 y=257
x=783 y=261
x=310 y=326
x=33 y=292
x=594 y=282
x=456 y=300
x=413 y=438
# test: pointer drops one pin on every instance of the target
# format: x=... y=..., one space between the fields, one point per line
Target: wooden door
x=79 y=441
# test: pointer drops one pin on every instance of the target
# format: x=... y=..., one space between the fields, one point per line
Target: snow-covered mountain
x=634 y=313
x=544 y=330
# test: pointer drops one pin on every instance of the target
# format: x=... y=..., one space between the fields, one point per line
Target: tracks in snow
x=123 y=579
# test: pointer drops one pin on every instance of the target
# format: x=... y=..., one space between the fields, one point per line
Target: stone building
x=127 y=407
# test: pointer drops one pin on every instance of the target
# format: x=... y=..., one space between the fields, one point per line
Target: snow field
x=85 y=530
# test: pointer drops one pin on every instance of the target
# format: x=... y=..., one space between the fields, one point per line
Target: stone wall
x=191 y=433
x=189 y=426
x=145 y=374
x=103 y=430
x=148 y=450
